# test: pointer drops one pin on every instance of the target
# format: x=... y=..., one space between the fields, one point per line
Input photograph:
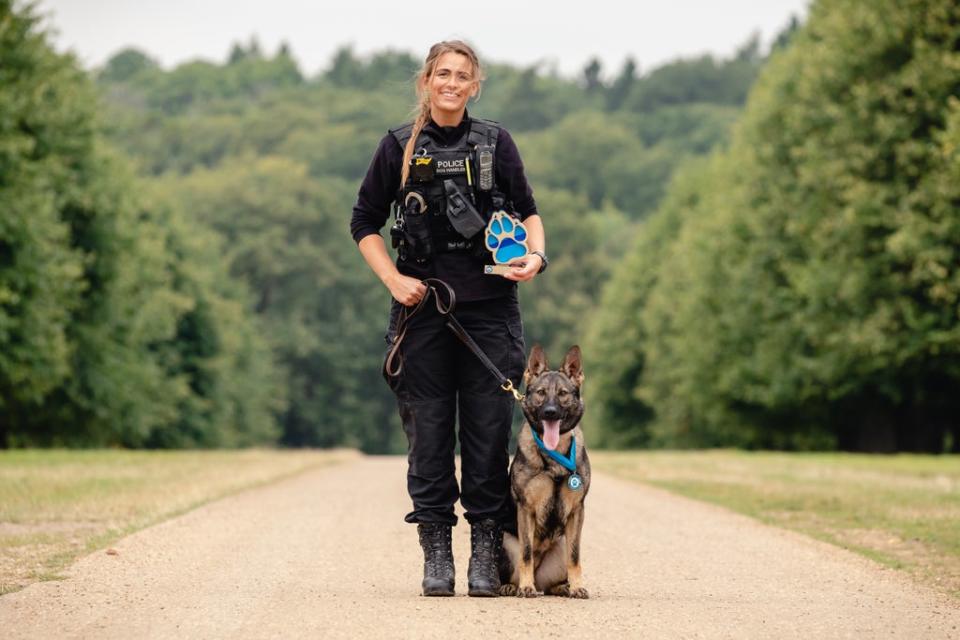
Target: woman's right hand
x=406 y=290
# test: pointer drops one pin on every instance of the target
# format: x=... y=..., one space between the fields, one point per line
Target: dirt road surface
x=327 y=555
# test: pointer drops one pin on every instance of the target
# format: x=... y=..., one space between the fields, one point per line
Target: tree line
x=176 y=270
x=798 y=289
x=175 y=267
x=119 y=323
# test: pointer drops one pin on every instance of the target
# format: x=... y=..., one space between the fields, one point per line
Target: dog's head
x=552 y=404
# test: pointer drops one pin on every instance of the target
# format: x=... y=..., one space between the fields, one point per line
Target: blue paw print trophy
x=506 y=239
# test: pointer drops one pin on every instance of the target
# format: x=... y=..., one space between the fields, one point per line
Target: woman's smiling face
x=450 y=85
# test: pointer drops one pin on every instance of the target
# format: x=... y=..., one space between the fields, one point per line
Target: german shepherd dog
x=549 y=496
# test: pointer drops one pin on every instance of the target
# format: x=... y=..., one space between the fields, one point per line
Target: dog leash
x=394 y=361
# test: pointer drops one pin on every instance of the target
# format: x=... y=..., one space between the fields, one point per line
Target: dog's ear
x=536 y=364
x=572 y=366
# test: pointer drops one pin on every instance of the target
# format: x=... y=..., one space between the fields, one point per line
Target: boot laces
x=437 y=549
x=484 y=540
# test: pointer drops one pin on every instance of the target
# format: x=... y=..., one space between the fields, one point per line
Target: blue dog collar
x=569 y=463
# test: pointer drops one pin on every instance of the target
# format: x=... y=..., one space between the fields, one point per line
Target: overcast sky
x=564 y=35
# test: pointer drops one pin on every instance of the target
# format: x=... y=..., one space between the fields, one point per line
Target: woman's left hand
x=524 y=268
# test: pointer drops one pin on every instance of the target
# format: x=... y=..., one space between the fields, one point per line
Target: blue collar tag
x=568 y=463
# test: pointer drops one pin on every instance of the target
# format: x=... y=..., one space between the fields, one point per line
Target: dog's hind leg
x=551 y=574
x=510 y=560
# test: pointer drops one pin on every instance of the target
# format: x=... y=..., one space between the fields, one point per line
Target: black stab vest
x=451 y=164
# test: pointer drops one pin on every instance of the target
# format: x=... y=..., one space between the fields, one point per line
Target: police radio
x=485 y=167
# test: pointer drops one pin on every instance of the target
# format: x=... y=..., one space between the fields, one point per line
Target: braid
x=423 y=114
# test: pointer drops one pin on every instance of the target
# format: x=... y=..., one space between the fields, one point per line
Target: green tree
x=618 y=339
x=46 y=140
x=701 y=79
x=783 y=39
x=220 y=351
x=528 y=107
x=247 y=76
x=92 y=297
x=622 y=85
x=591 y=75
x=694 y=128
x=601 y=156
x=126 y=65
x=286 y=237
x=811 y=301
x=382 y=68
x=581 y=239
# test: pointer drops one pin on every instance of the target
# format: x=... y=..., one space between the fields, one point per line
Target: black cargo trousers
x=442 y=382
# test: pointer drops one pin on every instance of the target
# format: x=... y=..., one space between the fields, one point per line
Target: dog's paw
x=506 y=238
x=527 y=592
x=579 y=592
x=562 y=590
x=508 y=589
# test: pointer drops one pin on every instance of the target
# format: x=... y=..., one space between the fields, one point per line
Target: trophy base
x=496 y=269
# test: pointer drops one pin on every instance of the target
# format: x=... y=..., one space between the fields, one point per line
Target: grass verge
x=902 y=511
x=57 y=505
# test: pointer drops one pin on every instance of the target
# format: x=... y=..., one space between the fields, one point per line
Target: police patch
x=451 y=167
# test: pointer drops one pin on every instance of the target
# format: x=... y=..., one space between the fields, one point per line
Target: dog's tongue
x=551 y=434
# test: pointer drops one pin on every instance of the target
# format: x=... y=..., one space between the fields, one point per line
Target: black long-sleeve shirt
x=462 y=271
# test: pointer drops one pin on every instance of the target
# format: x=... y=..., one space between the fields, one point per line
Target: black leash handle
x=406 y=313
x=393 y=364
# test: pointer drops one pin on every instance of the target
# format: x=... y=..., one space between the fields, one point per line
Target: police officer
x=445 y=174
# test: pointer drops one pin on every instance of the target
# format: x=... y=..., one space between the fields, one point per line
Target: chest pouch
x=462 y=214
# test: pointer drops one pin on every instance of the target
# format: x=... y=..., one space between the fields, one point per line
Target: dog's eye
x=540 y=393
x=563 y=392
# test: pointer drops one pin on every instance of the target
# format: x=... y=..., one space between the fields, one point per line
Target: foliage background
x=749 y=262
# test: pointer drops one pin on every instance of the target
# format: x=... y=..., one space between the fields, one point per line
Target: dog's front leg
x=526 y=527
x=574 y=575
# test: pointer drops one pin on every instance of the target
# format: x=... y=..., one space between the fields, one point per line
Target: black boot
x=486 y=542
x=438 y=572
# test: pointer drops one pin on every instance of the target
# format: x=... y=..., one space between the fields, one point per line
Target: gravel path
x=327 y=555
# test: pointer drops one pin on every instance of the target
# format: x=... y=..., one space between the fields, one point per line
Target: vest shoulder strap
x=483 y=131
x=402 y=134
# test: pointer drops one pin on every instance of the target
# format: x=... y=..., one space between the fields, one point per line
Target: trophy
x=505 y=239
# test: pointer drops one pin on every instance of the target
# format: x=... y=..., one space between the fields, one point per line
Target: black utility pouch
x=461 y=213
x=416 y=227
